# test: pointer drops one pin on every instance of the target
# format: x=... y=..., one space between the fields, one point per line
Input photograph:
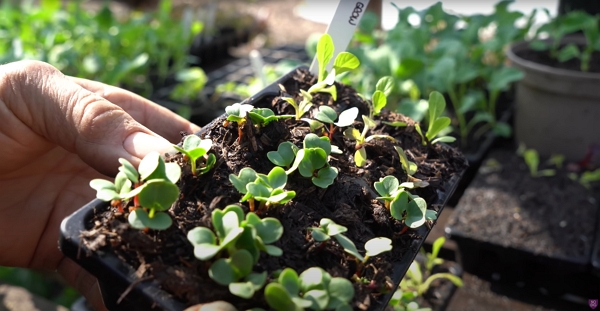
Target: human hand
x=56 y=134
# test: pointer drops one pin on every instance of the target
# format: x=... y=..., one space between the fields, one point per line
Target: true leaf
x=345 y=61
x=385 y=85
x=437 y=104
x=325 y=51
x=379 y=101
x=437 y=126
x=408 y=166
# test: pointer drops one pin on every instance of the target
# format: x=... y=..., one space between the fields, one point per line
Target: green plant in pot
x=461 y=56
x=557 y=100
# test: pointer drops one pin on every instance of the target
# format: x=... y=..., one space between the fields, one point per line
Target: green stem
x=151 y=213
x=193 y=165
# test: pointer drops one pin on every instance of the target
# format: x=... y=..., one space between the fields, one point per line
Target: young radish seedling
x=195 y=148
x=154 y=190
x=312 y=161
x=360 y=156
x=242 y=241
x=404 y=206
x=314 y=289
x=327 y=115
x=266 y=189
x=409 y=167
x=328 y=229
x=237 y=113
x=302 y=107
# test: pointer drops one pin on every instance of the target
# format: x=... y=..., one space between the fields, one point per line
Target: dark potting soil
x=552 y=216
x=543 y=57
x=167 y=256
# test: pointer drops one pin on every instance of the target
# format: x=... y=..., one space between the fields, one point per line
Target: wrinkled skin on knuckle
x=96 y=119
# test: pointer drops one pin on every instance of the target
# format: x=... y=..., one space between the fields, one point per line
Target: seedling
x=404 y=206
x=311 y=161
x=411 y=209
x=557 y=160
x=263 y=116
x=345 y=61
x=154 y=190
x=409 y=167
x=360 y=156
x=532 y=159
x=195 y=148
x=432 y=258
x=285 y=154
x=589 y=177
x=314 y=289
x=388 y=187
x=415 y=282
x=384 y=87
x=243 y=241
x=267 y=189
x=437 y=123
x=328 y=229
x=237 y=113
x=327 y=115
x=303 y=106
x=560 y=26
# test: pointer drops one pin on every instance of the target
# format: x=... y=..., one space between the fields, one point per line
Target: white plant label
x=341 y=28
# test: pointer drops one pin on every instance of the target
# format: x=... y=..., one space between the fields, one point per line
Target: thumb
x=76 y=119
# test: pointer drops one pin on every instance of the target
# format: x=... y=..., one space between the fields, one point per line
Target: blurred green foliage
x=137 y=52
x=39 y=284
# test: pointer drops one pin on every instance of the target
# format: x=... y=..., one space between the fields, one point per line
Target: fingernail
x=140 y=144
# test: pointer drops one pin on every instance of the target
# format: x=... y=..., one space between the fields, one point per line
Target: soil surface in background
x=553 y=216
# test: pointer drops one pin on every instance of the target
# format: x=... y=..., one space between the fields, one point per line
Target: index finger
x=157 y=118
